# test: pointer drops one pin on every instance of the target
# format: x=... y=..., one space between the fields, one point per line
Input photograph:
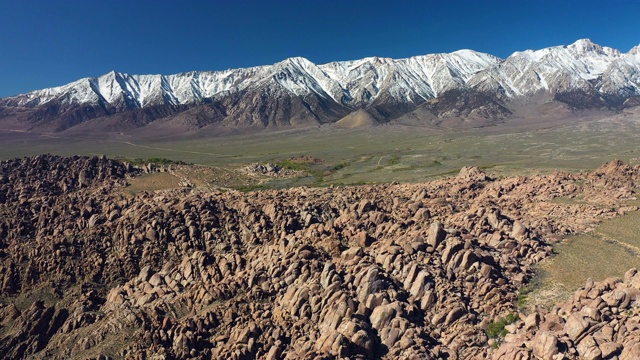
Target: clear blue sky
x=53 y=42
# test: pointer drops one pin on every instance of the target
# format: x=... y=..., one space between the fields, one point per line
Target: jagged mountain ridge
x=349 y=82
x=297 y=91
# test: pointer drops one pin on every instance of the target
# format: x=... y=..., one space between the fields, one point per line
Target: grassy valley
x=370 y=155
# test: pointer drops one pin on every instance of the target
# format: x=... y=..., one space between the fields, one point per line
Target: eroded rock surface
x=381 y=271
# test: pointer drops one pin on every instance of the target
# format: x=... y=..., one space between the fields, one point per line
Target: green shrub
x=497 y=328
x=294 y=165
x=250 y=187
x=340 y=166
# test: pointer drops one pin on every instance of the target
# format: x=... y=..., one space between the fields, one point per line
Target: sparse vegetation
x=154 y=160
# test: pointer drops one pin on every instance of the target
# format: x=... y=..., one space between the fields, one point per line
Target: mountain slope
x=297 y=92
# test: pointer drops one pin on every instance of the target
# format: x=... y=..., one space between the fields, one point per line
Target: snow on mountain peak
x=358 y=83
x=295 y=61
x=584 y=45
x=635 y=51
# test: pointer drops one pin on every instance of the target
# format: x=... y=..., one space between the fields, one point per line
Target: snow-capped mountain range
x=582 y=74
x=350 y=82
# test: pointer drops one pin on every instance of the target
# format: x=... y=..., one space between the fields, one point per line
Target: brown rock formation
x=384 y=271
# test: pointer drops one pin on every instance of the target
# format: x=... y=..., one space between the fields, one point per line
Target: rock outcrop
x=379 y=271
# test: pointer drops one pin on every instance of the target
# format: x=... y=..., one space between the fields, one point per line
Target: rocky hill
x=295 y=92
x=376 y=271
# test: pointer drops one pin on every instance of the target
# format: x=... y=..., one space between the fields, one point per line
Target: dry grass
x=584 y=256
x=202 y=177
x=110 y=346
x=579 y=258
x=208 y=176
x=42 y=292
x=565 y=200
x=152 y=182
x=625 y=229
